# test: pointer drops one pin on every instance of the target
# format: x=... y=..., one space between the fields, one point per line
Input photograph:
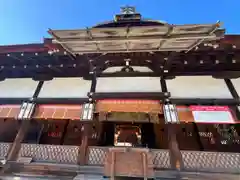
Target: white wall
x=128 y=84
x=198 y=87
x=236 y=83
x=65 y=88
x=17 y=88
x=135 y=68
x=180 y=87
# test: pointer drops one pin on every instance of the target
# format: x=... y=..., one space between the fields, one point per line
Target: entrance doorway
x=125 y=130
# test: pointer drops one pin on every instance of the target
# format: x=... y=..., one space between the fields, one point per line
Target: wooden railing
x=199 y=161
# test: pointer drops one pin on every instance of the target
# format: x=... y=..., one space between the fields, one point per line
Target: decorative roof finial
x=128 y=13
x=128 y=10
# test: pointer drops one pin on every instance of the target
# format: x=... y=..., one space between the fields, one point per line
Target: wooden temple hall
x=131 y=97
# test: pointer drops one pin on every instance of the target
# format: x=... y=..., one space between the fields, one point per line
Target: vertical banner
x=212 y=114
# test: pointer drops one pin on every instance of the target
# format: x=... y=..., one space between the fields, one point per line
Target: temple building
x=131 y=97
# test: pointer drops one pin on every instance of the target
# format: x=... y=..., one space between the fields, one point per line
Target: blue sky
x=27 y=21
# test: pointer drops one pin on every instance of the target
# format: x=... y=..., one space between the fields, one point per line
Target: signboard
x=212 y=114
x=128 y=105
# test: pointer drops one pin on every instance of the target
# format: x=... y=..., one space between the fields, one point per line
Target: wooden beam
x=38 y=89
x=94 y=83
x=232 y=89
x=203 y=101
x=222 y=72
x=130 y=95
x=234 y=94
x=163 y=84
x=92 y=73
x=151 y=95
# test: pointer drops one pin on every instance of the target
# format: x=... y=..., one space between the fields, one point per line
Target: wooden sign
x=122 y=105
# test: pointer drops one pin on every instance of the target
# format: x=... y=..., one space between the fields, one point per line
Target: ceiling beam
x=130 y=95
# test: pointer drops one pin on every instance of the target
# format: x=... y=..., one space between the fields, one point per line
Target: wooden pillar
x=83 y=149
x=15 y=148
x=175 y=154
x=87 y=117
x=24 y=116
x=171 y=120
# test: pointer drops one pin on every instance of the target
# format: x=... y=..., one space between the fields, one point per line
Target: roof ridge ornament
x=128 y=13
x=128 y=10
